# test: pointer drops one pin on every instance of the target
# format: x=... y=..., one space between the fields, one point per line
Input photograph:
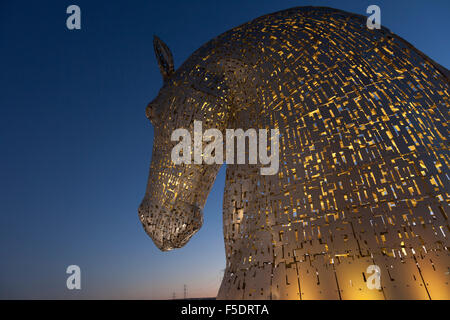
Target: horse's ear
x=164 y=57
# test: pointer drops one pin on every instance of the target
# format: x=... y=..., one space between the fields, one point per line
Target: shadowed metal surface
x=363 y=176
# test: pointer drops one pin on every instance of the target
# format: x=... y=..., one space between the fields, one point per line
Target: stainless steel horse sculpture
x=363 y=178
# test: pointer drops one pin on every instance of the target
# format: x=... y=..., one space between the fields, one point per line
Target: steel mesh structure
x=363 y=176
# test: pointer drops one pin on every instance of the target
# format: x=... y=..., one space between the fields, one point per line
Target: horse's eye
x=150 y=112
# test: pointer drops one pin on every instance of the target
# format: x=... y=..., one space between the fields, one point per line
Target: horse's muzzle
x=170 y=225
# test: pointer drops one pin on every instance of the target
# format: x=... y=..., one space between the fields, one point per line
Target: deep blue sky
x=76 y=146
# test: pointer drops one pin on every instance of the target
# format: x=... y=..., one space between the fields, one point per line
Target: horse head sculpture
x=363 y=178
x=171 y=211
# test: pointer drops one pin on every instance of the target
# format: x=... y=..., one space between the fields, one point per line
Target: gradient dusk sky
x=76 y=145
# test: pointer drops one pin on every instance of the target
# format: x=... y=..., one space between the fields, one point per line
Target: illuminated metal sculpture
x=363 y=176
